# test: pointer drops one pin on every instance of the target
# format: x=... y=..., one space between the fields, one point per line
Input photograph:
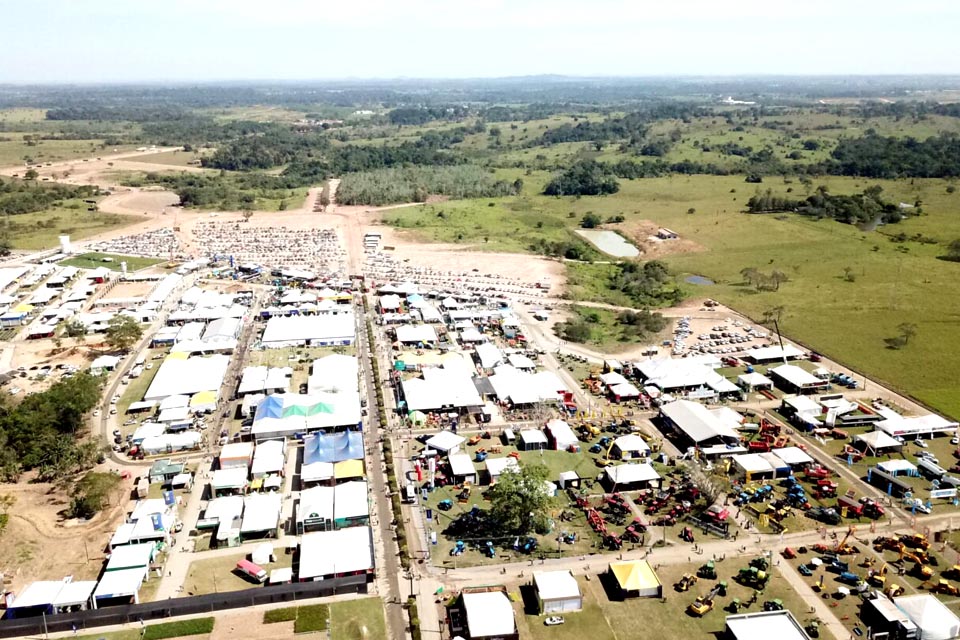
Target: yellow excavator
x=915 y=541
x=878 y=578
x=847 y=549
x=946 y=587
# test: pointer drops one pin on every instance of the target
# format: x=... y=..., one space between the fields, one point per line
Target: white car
x=955 y=440
x=553 y=621
x=920 y=443
x=96 y=413
x=911 y=503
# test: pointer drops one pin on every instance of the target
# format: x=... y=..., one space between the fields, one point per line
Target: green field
x=15 y=151
x=357 y=619
x=39 y=230
x=94 y=260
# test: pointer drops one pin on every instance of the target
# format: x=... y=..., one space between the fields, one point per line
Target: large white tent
x=557 y=591
x=319 y=330
x=330 y=553
x=188 y=376
x=333 y=373
x=934 y=619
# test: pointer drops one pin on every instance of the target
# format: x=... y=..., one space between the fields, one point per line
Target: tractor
x=773 y=605
x=946 y=587
x=700 y=607
x=753 y=577
x=708 y=571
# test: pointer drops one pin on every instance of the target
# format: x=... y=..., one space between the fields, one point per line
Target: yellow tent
x=203 y=398
x=177 y=355
x=637 y=576
x=23 y=307
x=348 y=469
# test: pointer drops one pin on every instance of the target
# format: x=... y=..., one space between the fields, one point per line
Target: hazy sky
x=138 y=40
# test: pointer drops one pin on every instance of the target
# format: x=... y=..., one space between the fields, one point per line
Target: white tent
x=631 y=446
x=232 y=479
x=561 y=434
x=261 y=513
x=793 y=456
x=187 y=377
x=329 y=553
x=121 y=584
x=935 y=620
x=319 y=330
x=446 y=442
x=496 y=466
x=462 y=468
x=557 y=591
x=628 y=474
x=489 y=614
x=269 y=457
x=262 y=554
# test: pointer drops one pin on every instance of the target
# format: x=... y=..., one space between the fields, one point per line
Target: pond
x=610 y=243
x=699 y=280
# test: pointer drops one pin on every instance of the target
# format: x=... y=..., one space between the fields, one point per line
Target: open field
x=14 y=150
x=39 y=230
x=110 y=261
x=177 y=158
x=357 y=619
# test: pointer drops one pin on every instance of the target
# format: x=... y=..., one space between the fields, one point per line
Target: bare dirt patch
x=38 y=353
x=124 y=290
x=39 y=544
x=248 y=625
x=643 y=233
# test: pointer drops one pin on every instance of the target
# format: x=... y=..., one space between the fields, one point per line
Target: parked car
x=553 y=621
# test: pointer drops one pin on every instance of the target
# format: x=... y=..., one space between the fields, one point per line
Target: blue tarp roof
x=332 y=447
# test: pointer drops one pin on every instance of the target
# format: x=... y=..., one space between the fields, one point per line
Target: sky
x=89 y=41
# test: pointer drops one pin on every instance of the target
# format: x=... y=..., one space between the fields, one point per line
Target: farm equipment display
x=753 y=577
x=686 y=581
x=708 y=571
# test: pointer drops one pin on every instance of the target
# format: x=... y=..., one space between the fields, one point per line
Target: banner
x=943 y=493
x=157 y=521
x=169 y=499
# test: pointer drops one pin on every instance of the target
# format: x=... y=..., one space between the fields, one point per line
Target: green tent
x=417 y=417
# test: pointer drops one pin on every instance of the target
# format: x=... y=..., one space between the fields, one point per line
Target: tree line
x=415 y=184
x=44 y=431
x=27 y=196
x=866 y=206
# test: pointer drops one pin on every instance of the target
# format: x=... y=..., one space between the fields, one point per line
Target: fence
x=153 y=611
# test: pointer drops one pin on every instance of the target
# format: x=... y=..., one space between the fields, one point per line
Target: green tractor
x=753 y=577
x=708 y=571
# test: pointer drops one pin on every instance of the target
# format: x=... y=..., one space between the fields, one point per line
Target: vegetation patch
x=415 y=184
x=110 y=261
x=179 y=629
x=287 y=614
x=314 y=617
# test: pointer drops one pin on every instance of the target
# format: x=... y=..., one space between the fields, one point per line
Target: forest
x=27 y=196
x=43 y=431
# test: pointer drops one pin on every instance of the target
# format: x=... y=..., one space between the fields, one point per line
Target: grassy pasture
x=94 y=260
x=39 y=230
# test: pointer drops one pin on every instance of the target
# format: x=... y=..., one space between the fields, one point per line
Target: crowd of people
x=316 y=250
x=159 y=243
x=381 y=267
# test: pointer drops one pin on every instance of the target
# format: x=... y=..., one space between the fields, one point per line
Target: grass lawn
x=126 y=634
x=287 y=614
x=179 y=628
x=216 y=575
x=39 y=230
x=134 y=391
x=314 y=617
x=94 y=260
x=15 y=151
x=357 y=619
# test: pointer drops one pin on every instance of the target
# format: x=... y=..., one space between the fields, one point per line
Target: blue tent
x=332 y=447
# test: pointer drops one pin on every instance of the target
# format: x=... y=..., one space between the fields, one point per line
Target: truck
x=252 y=571
x=854 y=508
x=143 y=487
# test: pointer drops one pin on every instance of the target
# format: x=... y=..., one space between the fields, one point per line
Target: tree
x=590 y=221
x=247 y=214
x=778 y=277
x=92 y=493
x=691 y=211
x=849 y=275
x=7 y=500
x=31 y=174
x=907 y=330
x=325 y=197
x=519 y=503
x=76 y=330
x=123 y=332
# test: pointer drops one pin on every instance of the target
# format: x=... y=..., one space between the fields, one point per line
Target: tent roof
x=533 y=436
x=697 y=421
x=345 y=550
x=269 y=457
x=631 y=442
x=754 y=379
x=351 y=500
x=496 y=466
x=489 y=613
x=793 y=455
x=125 y=582
x=461 y=464
x=759 y=354
x=795 y=375
x=236 y=451
x=346 y=469
x=224 y=509
x=877 y=440
x=316 y=502
x=42 y=592
x=936 y=621
x=752 y=463
x=764 y=625
x=556 y=585
x=634 y=575
x=131 y=555
x=445 y=440
x=561 y=433
x=628 y=473
x=234 y=478
x=75 y=593
x=332 y=447
x=261 y=512
x=188 y=376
